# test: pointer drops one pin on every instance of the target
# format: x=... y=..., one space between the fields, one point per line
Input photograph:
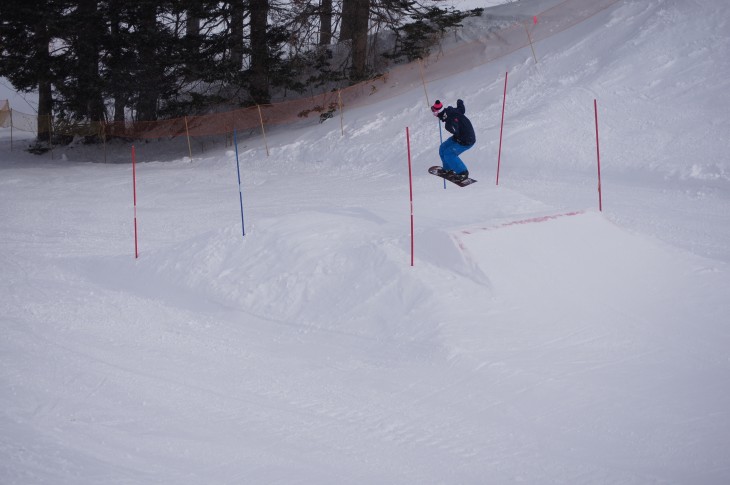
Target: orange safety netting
x=4 y=113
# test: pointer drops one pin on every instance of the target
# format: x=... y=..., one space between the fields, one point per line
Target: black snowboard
x=439 y=172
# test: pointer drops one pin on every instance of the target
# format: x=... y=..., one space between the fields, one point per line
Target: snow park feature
x=535 y=340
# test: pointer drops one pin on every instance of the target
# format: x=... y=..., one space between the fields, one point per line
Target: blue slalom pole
x=238 y=169
x=441 y=137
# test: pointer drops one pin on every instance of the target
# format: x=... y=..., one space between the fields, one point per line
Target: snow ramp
x=589 y=330
x=580 y=266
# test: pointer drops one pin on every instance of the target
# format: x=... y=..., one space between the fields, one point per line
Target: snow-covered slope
x=535 y=339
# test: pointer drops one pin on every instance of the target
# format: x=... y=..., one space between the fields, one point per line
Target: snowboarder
x=456 y=123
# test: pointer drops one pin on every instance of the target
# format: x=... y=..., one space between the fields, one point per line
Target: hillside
x=535 y=339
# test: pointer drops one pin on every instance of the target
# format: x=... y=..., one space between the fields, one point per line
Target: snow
x=535 y=339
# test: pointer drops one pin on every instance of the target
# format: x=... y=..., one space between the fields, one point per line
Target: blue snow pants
x=449 y=152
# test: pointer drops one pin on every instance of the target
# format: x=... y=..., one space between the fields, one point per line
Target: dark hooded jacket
x=456 y=123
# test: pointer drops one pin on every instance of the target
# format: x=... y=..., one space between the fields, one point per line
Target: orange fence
x=521 y=33
x=4 y=114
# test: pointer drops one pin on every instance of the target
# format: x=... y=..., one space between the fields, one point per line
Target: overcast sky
x=25 y=102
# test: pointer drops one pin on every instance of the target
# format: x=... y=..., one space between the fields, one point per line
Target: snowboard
x=439 y=172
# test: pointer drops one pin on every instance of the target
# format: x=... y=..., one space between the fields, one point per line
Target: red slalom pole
x=598 y=156
x=134 y=190
x=501 y=127
x=410 y=181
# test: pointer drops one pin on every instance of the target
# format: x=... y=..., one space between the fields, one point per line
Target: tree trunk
x=259 y=51
x=90 y=37
x=45 y=93
x=325 y=22
x=355 y=23
x=116 y=73
x=236 y=42
x=192 y=26
x=45 y=109
x=151 y=76
x=347 y=24
x=192 y=39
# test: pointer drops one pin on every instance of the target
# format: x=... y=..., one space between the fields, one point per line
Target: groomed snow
x=534 y=340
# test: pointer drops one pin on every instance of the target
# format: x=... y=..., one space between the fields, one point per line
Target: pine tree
x=26 y=32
